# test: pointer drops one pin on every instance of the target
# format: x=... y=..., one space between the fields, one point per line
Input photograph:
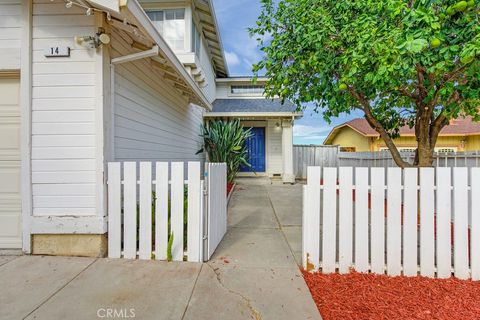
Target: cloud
x=300 y=130
x=232 y=58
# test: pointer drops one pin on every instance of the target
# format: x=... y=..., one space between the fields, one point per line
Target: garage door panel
x=10 y=178
x=10 y=199
x=9 y=137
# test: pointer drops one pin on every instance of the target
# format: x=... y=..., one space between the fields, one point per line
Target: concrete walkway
x=256 y=274
x=253 y=274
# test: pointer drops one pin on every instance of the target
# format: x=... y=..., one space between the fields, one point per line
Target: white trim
x=241 y=79
x=252 y=114
x=26 y=123
x=68 y=225
x=100 y=184
x=136 y=56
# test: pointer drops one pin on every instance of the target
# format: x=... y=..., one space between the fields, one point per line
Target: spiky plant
x=224 y=141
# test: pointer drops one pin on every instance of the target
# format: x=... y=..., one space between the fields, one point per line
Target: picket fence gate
x=144 y=211
x=394 y=221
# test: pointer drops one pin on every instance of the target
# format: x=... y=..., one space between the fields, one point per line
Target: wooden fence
x=393 y=221
x=145 y=212
x=384 y=159
x=313 y=155
x=330 y=156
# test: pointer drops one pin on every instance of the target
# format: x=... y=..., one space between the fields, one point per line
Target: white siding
x=153 y=121
x=10 y=34
x=223 y=90
x=65 y=95
x=274 y=145
x=210 y=89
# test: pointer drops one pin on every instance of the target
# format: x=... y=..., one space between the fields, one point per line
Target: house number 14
x=57 y=52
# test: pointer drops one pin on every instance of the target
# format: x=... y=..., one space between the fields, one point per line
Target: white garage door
x=10 y=202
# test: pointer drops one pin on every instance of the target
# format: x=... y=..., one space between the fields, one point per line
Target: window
x=196 y=42
x=446 y=150
x=347 y=149
x=401 y=149
x=247 y=89
x=171 y=25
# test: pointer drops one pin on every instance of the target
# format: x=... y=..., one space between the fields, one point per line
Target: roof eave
x=220 y=44
x=137 y=11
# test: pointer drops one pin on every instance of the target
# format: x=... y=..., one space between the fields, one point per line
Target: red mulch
x=229 y=187
x=368 y=296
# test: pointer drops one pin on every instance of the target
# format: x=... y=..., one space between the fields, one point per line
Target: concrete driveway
x=252 y=275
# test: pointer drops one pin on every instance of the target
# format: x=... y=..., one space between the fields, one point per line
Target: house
x=357 y=136
x=83 y=83
x=271 y=145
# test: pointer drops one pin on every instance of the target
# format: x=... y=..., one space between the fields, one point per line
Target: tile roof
x=461 y=126
x=252 y=105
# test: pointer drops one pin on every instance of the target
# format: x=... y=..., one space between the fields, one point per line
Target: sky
x=234 y=18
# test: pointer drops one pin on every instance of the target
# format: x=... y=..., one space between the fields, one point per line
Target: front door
x=256 y=151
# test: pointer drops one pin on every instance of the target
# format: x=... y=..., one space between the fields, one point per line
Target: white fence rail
x=393 y=221
x=145 y=211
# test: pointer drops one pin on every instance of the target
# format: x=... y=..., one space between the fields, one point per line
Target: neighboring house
x=271 y=145
x=357 y=136
x=83 y=83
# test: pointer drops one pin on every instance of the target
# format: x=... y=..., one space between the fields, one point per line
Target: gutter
x=253 y=114
x=145 y=23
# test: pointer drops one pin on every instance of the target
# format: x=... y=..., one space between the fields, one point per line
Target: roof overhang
x=295 y=115
x=208 y=20
x=132 y=19
x=240 y=79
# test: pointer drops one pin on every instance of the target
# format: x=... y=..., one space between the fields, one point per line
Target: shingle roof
x=461 y=126
x=252 y=105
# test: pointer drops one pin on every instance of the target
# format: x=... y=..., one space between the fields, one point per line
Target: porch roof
x=263 y=108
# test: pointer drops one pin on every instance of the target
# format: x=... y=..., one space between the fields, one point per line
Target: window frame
x=254 y=92
x=164 y=20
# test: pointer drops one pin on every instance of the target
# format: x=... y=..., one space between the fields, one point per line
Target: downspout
x=115 y=61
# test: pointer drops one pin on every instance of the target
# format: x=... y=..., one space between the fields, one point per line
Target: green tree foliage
x=224 y=141
x=401 y=62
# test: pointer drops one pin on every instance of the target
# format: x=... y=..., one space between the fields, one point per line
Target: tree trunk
x=425 y=156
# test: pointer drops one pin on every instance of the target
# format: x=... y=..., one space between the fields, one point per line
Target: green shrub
x=224 y=141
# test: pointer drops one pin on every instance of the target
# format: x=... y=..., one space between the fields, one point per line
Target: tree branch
x=445 y=79
x=377 y=126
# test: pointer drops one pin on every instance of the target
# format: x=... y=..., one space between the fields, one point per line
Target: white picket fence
x=142 y=210
x=393 y=221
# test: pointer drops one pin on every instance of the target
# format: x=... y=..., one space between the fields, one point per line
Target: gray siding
x=152 y=120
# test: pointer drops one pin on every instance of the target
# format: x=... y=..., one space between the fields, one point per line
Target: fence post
x=130 y=210
x=194 y=234
x=145 y=229
x=114 y=210
x=460 y=198
x=475 y=229
x=177 y=202
x=311 y=227
x=161 y=210
x=427 y=207
x=361 y=220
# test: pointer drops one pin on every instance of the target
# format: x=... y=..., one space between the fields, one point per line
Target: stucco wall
x=347 y=137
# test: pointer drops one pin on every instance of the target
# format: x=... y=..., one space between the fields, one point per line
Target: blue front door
x=256 y=151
